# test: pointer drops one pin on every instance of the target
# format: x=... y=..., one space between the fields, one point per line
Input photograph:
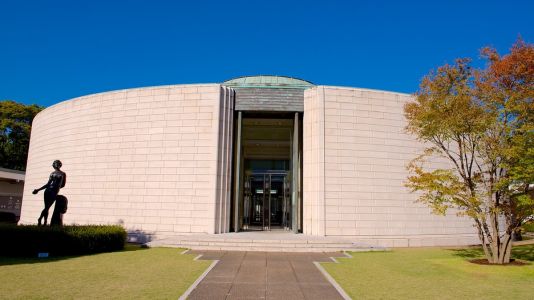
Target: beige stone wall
x=148 y=158
x=159 y=160
x=313 y=179
x=362 y=160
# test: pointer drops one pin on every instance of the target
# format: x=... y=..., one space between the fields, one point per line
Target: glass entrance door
x=267 y=201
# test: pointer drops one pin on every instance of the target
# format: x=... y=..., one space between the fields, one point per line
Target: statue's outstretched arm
x=43 y=187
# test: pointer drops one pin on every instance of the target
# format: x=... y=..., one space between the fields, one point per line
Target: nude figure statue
x=56 y=181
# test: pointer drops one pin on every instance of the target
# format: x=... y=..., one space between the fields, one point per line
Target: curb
x=330 y=279
x=199 y=279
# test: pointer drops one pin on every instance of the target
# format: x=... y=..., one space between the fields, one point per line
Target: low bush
x=29 y=240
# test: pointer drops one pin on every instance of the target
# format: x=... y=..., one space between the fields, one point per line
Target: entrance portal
x=267 y=172
x=267 y=201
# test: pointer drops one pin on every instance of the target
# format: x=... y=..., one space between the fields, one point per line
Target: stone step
x=278 y=246
x=280 y=242
x=273 y=249
x=194 y=247
x=197 y=242
x=297 y=242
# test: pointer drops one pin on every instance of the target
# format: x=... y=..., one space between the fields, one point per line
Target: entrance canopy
x=268 y=81
x=268 y=94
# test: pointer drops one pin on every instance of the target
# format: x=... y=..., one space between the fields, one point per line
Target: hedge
x=29 y=240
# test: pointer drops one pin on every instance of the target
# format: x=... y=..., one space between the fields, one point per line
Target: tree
x=482 y=123
x=15 y=127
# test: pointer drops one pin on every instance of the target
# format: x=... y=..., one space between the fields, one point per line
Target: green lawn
x=432 y=273
x=158 y=273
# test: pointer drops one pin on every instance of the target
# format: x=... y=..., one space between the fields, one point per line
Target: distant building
x=251 y=153
x=11 y=189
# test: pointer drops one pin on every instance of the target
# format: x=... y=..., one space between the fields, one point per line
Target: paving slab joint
x=199 y=279
x=330 y=279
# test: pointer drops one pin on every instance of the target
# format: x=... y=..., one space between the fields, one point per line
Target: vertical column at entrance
x=295 y=175
x=314 y=211
x=229 y=154
x=224 y=160
x=237 y=171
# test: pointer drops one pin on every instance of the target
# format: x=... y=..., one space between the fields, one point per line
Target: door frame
x=266 y=201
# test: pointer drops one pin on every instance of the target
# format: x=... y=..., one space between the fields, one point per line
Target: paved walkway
x=265 y=275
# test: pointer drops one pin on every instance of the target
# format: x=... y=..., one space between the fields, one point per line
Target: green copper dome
x=267 y=81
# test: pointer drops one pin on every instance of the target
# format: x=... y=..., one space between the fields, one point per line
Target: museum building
x=256 y=153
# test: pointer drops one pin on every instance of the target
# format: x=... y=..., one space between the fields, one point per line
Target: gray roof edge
x=12 y=174
x=267 y=81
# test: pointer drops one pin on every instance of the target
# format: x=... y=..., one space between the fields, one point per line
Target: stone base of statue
x=59 y=209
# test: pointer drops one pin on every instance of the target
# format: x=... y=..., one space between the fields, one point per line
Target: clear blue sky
x=51 y=51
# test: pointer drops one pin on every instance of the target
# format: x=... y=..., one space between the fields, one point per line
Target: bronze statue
x=59 y=209
x=56 y=181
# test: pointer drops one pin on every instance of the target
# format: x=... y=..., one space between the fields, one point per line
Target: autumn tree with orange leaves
x=482 y=122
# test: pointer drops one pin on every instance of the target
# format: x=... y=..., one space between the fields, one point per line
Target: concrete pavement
x=265 y=275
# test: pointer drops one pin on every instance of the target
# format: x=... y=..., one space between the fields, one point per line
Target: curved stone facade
x=146 y=158
x=355 y=156
x=160 y=160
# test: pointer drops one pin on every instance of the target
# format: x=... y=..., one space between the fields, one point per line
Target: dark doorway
x=267 y=155
x=267 y=201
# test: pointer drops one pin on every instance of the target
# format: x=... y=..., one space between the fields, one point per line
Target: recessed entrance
x=267 y=131
x=267 y=156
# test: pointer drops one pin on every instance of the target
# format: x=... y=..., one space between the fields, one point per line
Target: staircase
x=262 y=241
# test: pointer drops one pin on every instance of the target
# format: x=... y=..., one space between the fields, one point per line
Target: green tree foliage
x=482 y=122
x=15 y=128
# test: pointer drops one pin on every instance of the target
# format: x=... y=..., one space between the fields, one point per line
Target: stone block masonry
x=159 y=160
x=147 y=158
x=355 y=157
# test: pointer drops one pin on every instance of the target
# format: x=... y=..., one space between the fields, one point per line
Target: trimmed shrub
x=29 y=240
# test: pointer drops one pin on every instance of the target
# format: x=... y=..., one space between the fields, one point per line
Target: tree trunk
x=505 y=249
x=481 y=236
x=501 y=250
x=495 y=241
